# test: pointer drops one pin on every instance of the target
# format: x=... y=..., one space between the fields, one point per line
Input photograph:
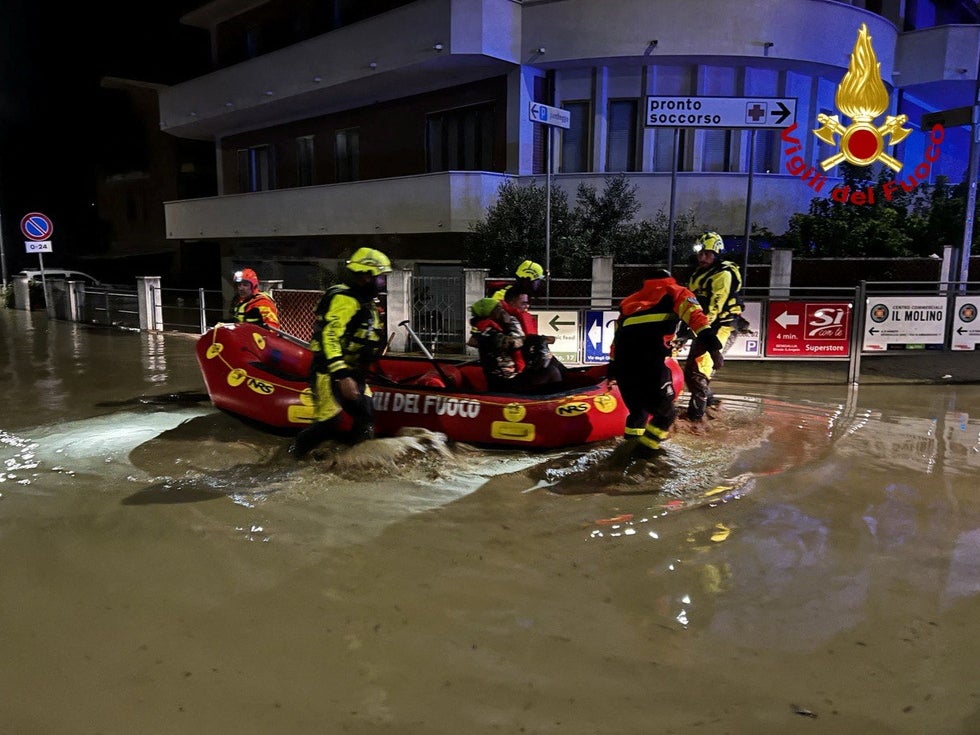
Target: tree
x=834 y=228
x=601 y=223
x=514 y=229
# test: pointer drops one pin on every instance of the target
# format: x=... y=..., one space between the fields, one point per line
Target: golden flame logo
x=861 y=95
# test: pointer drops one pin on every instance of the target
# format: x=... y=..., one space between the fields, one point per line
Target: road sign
x=563 y=326
x=36 y=226
x=600 y=327
x=720 y=112
x=549 y=115
x=947 y=118
x=966 y=326
x=38 y=246
x=798 y=328
x=905 y=322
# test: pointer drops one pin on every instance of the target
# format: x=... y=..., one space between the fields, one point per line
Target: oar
x=425 y=351
x=287 y=336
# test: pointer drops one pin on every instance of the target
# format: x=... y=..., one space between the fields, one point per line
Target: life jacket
x=705 y=285
x=259 y=308
x=647 y=322
x=348 y=336
x=500 y=351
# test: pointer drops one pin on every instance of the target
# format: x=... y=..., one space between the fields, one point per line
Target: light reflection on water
x=815 y=548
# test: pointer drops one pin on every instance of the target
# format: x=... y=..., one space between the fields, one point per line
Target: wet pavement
x=809 y=563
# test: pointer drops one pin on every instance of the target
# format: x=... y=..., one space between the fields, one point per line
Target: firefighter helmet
x=710 y=241
x=247 y=275
x=369 y=260
x=530 y=270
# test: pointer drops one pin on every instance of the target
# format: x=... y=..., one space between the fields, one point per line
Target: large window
x=663 y=149
x=256 y=168
x=347 y=154
x=304 y=161
x=717 y=151
x=460 y=139
x=621 y=136
x=575 y=138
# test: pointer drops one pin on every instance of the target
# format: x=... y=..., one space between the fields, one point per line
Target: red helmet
x=247 y=274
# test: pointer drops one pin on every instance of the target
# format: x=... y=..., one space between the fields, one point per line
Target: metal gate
x=438 y=313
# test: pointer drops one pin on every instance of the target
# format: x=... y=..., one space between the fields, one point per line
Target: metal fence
x=111 y=307
x=439 y=312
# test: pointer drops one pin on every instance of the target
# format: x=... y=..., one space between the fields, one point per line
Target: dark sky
x=52 y=56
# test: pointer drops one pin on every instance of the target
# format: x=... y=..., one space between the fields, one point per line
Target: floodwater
x=809 y=564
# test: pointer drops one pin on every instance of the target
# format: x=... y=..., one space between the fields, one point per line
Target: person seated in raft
x=499 y=338
x=535 y=352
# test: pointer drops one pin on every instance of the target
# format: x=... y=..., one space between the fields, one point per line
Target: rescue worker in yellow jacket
x=251 y=305
x=641 y=345
x=347 y=339
x=715 y=283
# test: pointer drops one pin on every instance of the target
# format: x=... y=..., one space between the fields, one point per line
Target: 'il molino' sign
x=862 y=97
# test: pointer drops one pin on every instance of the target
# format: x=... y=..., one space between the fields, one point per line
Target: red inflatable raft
x=259 y=375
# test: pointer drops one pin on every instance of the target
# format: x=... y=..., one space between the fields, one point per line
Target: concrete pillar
x=399 y=308
x=947 y=268
x=151 y=303
x=76 y=301
x=22 y=292
x=602 y=281
x=474 y=289
x=781 y=273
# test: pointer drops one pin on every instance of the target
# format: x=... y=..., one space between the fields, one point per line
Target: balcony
x=453 y=201
x=939 y=54
x=410 y=50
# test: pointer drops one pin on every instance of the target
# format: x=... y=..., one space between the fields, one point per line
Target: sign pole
x=3 y=254
x=673 y=198
x=748 y=209
x=971 y=193
x=552 y=117
x=547 y=216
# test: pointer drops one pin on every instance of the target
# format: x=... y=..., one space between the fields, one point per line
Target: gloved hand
x=684 y=332
x=709 y=340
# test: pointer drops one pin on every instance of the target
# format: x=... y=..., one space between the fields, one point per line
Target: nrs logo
x=260 y=386
x=572 y=409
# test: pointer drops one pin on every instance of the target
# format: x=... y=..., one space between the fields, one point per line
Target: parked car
x=34 y=275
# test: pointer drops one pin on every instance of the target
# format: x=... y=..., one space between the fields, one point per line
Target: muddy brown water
x=811 y=563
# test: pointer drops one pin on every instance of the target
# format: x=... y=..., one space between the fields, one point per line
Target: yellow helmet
x=369 y=260
x=710 y=241
x=530 y=270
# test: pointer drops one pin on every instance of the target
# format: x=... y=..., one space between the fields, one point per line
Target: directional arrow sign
x=720 y=112
x=595 y=333
x=556 y=324
x=554 y=116
x=786 y=319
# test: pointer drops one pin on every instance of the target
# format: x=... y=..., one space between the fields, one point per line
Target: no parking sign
x=37 y=228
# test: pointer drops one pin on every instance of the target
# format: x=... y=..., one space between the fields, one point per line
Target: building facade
x=393 y=123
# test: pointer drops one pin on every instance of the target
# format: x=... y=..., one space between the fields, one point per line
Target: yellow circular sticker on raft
x=606 y=403
x=259 y=340
x=214 y=350
x=236 y=377
x=514 y=412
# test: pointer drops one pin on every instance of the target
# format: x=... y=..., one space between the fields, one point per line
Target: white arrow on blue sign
x=600 y=326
